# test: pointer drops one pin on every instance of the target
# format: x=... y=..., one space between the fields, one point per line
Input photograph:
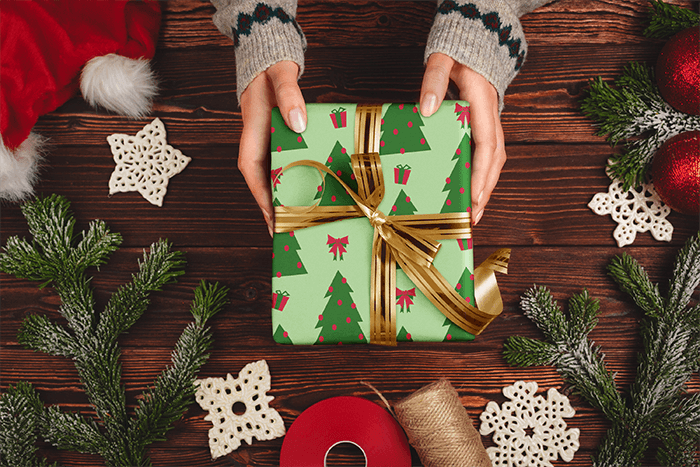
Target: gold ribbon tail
x=486 y=292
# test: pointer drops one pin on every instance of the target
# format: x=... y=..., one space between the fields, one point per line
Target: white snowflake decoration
x=638 y=210
x=145 y=162
x=248 y=394
x=528 y=429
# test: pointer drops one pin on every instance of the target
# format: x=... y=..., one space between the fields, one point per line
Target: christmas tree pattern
x=334 y=194
x=404 y=336
x=281 y=336
x=459 y=181
x=465 y=288
x=340 y=320
x=282 y=138
x=401 y=131
x=402 y=206
x=286 y=260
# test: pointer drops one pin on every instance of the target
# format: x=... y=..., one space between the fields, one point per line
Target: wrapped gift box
x=325 y=268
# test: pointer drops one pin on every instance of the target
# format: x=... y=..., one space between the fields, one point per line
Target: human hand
x=487 y=133
x=276 y=86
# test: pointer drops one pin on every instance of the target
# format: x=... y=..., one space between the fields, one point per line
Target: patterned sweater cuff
x=484 y=35
x=264 y=33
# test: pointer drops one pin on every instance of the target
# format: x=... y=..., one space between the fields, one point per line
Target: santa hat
x=51 y=48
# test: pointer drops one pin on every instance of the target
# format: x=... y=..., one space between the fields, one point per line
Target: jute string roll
x=439 y=428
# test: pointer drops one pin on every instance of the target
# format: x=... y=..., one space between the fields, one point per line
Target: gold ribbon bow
x=411 y=241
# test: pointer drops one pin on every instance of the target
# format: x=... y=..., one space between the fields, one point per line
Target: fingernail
x=296 y=119
x=269 y=229
x=427 y=107
x=478 y=217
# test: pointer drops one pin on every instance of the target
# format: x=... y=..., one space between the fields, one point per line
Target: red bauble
x=678 y=71
x=676 y=172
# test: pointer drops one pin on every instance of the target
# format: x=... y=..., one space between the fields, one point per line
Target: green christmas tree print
x=401 y=131
x=465 y=288
x=285 y=259
x=334 y=194
x=340 y=320
x=281 y=137
x=402 y=206
x=404 y=335
x=459 y=182
x=281 y=336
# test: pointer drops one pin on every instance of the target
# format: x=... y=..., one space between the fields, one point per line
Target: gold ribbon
x=410 y=241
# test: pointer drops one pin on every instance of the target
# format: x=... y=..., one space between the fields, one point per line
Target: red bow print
x=464 y=114
x=337 y=246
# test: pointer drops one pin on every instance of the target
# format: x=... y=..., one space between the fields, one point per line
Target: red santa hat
x=51 y=48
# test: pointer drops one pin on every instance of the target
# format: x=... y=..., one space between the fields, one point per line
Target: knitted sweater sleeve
x=263 y=34
x=484 y=35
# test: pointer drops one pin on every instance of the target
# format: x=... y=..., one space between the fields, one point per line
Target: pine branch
x=167 y=401
x=41 y=335
x=686 y=276
x=539 y=305
x=20 y=418
x=662 y=367
x=70 y=431
x=92 y=343
x=523 y=352
x=618 y=448
x=633 y=280
x=578 y=361
x=679 y=452
x=51 y=255
x=681 y=419
x=670 y=354
x=666 y=20
x=634 y=109
x=159 y=267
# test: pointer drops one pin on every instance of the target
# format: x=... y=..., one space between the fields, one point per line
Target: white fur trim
x=120 y=84
x=19 y=169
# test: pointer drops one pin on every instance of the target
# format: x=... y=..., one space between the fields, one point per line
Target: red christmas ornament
x=678 y=71
x=676 y=172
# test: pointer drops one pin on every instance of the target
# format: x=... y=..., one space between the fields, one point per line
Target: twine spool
x=439 y=428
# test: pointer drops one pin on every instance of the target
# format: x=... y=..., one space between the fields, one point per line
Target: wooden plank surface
x=358 y=51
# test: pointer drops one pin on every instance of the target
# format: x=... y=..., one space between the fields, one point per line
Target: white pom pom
x=120 y=84
x=19 y=168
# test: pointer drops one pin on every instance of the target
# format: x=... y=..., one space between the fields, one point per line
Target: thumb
x=283 y=77
x=435 y=82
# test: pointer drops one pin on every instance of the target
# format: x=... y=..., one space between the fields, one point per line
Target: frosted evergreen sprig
x=634 y=110
x=20 y=418
x=657 y=405
x=666 y=20
x=56 y=256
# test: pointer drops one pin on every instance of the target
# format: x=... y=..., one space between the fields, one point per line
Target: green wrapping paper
x=325 y=270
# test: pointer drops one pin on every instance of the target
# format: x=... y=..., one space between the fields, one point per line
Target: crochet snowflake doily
x=528 y=429
x=239 y=409
x=637 y=210
x=145 y=162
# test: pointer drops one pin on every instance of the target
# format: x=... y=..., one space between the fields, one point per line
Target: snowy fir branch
x=657 y=405
x=634 y=110
x=20 y=418
x=56 y=256
x=666 y=20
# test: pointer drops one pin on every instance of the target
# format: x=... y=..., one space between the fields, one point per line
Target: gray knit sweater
x=484 y=35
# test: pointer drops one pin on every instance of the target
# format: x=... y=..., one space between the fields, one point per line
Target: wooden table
x=358 y=51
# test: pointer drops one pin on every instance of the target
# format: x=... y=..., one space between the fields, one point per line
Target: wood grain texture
x=358 y=51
